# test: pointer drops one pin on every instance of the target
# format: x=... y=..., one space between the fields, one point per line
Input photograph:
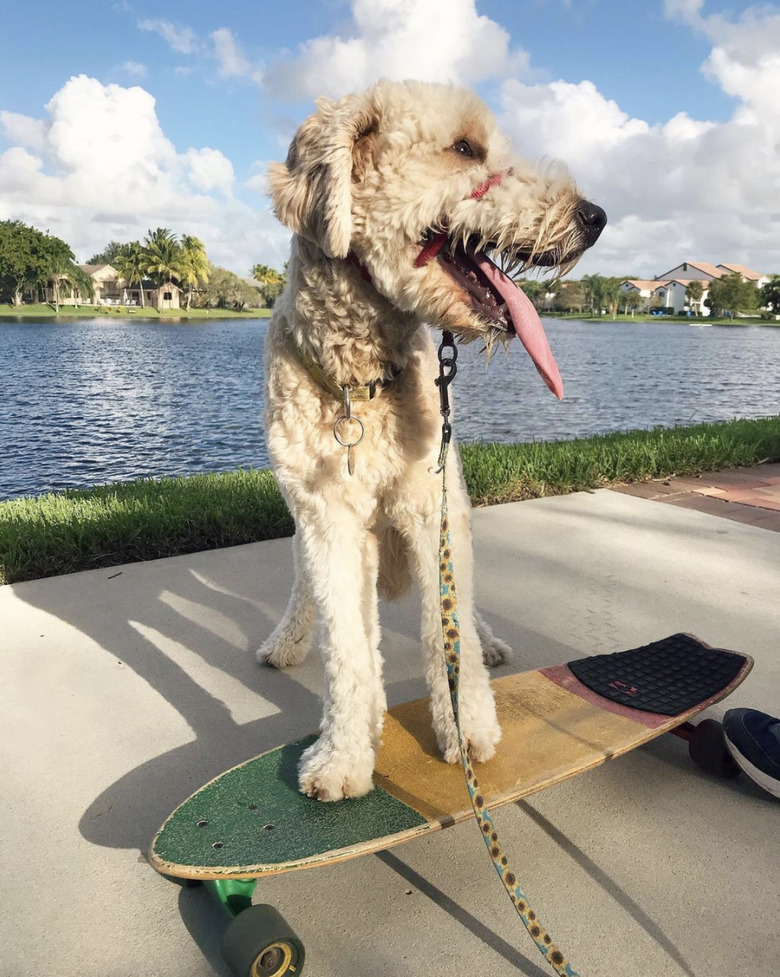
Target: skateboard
x=556 y=722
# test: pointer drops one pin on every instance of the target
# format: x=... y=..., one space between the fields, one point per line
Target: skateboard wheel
x=708 y=750
x=260 y=943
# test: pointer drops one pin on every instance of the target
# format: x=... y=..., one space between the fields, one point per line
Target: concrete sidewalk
x=124 y=690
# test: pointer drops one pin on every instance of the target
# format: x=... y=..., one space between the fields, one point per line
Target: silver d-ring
x=355 y=420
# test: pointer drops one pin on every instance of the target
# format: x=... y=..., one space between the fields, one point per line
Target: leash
x=448 y=355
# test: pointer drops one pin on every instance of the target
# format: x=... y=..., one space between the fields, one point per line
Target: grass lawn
x=152 y=518
x=46 y=311
x=646 y=317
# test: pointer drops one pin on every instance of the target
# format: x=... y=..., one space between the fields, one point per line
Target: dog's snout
x=593 y=220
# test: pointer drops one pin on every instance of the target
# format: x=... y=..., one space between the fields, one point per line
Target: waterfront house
x=109 y=288
x=669 y=290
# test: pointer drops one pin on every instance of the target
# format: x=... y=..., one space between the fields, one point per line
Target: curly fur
x=368 y=176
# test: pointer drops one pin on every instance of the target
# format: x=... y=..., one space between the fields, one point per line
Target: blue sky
x=118 y=116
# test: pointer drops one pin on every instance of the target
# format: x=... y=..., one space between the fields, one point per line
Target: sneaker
x=753 y=739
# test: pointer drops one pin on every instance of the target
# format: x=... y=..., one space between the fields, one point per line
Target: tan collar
x=357 y=392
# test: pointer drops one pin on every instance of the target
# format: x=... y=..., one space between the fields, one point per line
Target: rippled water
x=85 y=402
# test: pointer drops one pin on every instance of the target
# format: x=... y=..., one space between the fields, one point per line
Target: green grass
x=506 y=473
x=679 y=320
x=148 y=519
x=46 y=311
x=142 y=520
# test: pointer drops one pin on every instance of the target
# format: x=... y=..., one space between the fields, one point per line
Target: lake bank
x=679 y=320
x=152 y=518
x=48 y=312
x=121 y=312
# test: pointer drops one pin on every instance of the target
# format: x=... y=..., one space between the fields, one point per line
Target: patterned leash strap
x=451 y=636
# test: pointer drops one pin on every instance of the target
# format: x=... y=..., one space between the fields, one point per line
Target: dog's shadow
x=214 y=616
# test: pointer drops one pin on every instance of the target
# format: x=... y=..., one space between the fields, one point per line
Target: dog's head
x=416 y=182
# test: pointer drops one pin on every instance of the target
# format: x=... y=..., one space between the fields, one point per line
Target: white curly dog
x=394 y=197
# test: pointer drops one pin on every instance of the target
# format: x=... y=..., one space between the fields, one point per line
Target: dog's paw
x=284 y=649
x=479 y=727
x=495 y=652
x=328 y=775
x=480 y=745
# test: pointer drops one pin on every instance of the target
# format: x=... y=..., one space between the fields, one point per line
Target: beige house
x=111 y=289
x=669 y=290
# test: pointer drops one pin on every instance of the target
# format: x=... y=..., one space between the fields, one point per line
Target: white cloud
x=23 y=130
x=257 y=180
x=231 y=61
x=179 y=37
x=684 y=185
x=441 y=40
x=209 y=169
x=99 y=167
x=135 y=68
x=685 y=188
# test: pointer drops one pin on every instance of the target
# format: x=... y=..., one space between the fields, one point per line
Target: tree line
x=30 y=260
x=597 y=294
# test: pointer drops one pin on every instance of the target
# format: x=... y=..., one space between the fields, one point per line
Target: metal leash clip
x=347 y=416
x=448 y=367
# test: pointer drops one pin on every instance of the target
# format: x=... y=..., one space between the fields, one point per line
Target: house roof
x=92 y=269
x=702 y=266
x=706 y=267
x=150 y=286
x=643 y=284
x=752 y=276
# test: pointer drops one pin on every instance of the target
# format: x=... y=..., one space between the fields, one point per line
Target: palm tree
x=194 y=264
x=271 y=281
x=132 y=263
x=612 y=294
x=693 y=293
x=632 y=301
x=59 y=265
x=594 y=292
x=163 y=253
x=79 y=280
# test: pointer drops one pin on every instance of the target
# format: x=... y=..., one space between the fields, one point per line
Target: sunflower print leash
x=451 y=637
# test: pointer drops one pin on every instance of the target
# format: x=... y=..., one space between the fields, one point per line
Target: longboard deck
x=251 y=821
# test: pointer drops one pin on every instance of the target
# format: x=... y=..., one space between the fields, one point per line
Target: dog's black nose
x=593 y=220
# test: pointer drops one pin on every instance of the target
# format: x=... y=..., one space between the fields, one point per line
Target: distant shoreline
x=128 y=313
x=114 y=313
x=674 y=319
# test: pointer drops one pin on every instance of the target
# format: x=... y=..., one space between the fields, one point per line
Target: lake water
x=86 y=402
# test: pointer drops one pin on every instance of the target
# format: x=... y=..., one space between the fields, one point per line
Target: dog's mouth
x=496 y=298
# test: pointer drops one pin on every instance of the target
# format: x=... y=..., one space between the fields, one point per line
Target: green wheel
x=259 y=943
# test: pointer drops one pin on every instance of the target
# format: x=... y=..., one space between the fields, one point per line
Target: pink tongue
x=526 y=322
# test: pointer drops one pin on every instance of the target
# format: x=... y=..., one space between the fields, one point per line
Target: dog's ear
x=312 y=190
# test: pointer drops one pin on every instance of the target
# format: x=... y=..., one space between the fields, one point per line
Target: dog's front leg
x=342 y=562
x=477 y=708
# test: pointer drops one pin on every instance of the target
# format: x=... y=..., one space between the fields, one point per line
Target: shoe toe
x=756 y=736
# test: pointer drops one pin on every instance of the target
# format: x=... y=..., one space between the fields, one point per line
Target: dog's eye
x=464 y=147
